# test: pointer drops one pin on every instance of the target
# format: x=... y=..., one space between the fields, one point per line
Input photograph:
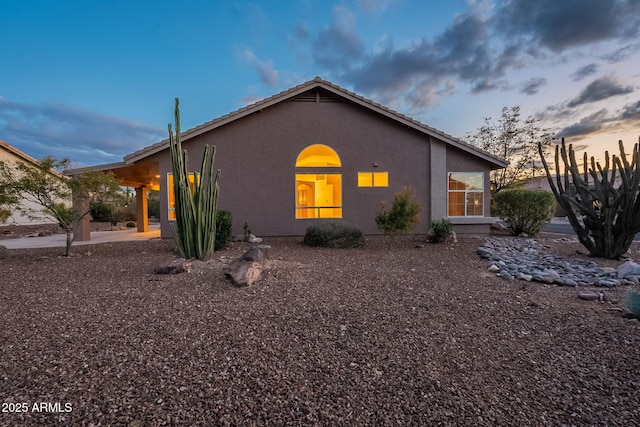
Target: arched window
x=318 y=155
x=318 y=194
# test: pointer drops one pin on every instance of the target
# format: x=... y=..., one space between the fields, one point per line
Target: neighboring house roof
x=542 y=181
x=496 y=161
x=18 y=153
x=26 y=158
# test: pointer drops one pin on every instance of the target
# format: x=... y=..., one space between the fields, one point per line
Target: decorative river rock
x=525 y=259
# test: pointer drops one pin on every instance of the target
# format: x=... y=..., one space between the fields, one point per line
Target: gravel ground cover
x=369 y=336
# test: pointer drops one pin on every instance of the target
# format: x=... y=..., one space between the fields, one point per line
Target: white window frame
x=465 y=192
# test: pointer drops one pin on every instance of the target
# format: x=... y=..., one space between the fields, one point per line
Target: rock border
x=524 y=259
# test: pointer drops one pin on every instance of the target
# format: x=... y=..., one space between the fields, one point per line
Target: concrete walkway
x=60 y=240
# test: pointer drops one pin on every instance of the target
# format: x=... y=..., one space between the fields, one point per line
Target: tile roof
x=333 y=88
x=27 y=158
x=18 y=153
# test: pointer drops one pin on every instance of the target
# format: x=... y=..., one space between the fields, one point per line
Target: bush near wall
x=403 y=215
x=441 y=230
x=333 y=234
x=525 y=211
x=224 y=225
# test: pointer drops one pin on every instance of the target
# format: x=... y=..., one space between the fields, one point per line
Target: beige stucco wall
x=257 y=157
x=17 y=218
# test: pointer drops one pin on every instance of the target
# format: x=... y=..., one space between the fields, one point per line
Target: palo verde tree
x=7 y=200
x=516 y=141
x=606 y=198
x=44 y=185
x=196 y=199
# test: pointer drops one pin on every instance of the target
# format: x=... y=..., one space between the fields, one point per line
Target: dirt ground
x=378 y=336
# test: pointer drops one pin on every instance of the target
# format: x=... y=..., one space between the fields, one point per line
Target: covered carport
x=142 y=176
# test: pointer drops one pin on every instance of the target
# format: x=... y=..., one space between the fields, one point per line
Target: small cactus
x=247 y=231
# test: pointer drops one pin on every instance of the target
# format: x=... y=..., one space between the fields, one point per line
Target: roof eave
x=28 y=158
x=96 y=168
x=496 y=162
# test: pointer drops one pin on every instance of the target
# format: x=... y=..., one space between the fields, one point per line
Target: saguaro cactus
x=610 y=211
x=196 y=200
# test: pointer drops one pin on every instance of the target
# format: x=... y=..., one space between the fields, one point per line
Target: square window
x=466 y=193
x=373 y=179
x=381 y=179
x=365 y=179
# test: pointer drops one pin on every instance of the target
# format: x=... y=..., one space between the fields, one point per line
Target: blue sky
x=94 y=80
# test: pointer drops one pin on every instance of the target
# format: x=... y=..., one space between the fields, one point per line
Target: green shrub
x=153 y=204
x=127 y=213
x=403 y=216
x=633 y=302
x=440 y=230
x=112 y=213
x=224 y=227
x=525 y=211
x=333 y=234
x=100 y=212
x=131 y=224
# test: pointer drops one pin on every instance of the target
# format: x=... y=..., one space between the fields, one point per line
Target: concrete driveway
x=60 y=240
x=560 y=226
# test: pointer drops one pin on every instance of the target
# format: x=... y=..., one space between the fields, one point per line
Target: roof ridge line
x=283 y=95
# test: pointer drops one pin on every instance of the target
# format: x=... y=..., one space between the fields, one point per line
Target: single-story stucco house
x=10 y=155
x=315 y=152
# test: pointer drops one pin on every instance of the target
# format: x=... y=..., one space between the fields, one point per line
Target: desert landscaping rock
x=372 y=336
x=629 y=268
x=588 y=296
x=526 y=259
x=178 y=265
x=245 y=273
x=247 y=269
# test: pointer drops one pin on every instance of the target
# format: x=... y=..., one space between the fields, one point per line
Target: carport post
x=82 y=226
x=142 y=211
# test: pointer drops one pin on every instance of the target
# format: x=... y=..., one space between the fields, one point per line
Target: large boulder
x=247 y=269
x=255 y=254
x=244 y=273
x=629 y=268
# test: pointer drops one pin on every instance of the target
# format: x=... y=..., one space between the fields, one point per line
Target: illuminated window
x=172 y=196
x=318 y=195
x=318 y=155
x=466 y=193
x=373 y=179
